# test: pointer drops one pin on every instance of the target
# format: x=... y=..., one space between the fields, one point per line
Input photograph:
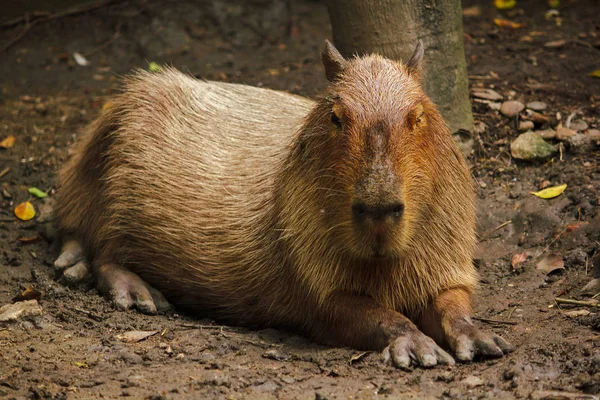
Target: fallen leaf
x=81 y=364
x=595 y=74
x=8 y=142
x=576 y=225
x=27 y=294
x=555 y=44
x=135 y=336
x=28 y=239
x=25 y=211
x=474 y=11
x=154 y=67
x=505 y=4
x=550 y=263
x=554 y=3
x=550 y=192
x=80 y=60
x=358 y=356
x=504 y=23
x=518 y=258
x=37 y=192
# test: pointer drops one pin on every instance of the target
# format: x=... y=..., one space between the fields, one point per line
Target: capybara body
x=349 y=219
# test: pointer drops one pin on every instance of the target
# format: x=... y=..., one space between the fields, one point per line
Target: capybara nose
x=362 y=211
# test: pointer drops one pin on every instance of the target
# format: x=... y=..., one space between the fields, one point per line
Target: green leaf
x=37 y=192
x=154 y=67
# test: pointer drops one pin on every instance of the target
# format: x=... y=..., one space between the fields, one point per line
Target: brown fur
x=237 y=201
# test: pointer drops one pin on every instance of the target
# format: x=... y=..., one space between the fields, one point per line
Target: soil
x=74 y=350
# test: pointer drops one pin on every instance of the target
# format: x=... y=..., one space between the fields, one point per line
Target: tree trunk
x=392 y=29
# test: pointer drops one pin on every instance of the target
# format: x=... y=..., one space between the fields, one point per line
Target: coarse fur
x=237 y=201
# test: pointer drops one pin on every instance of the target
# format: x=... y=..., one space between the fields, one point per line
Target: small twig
x=494 y=321
x=208 y=327
x=510 y=313
x=577 y=302
x=502 y=225
x=550 y=244
x=4 y=171
x=114 y=37
x=66 y=13
x=19 y=36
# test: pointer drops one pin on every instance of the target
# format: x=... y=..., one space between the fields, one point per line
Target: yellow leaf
x=8 y=142
x=505 y=4
x=550 y=192
x=504 y=23
x=554 y=3
x=81 y=364
x=595 y=74
x=25 y=211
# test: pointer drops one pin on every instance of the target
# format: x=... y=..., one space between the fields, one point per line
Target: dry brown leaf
x=27 y=294
x=518 y=258
x=550 y=263
x=505 y=23
x=135 y=336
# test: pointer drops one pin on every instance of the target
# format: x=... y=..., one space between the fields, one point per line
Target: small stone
x=530 y=146
x=487 y=94
x=594 y=134
x=580 y=143
x=563 y=133
x=472 y=381
x=546 y=134
x=21 y=310
x=525 y=126
x=578 y=125
x=536 y=117
x=511 y=108
x=480 y=127
x=494 y=106
x=537 y=105
x=276 y=355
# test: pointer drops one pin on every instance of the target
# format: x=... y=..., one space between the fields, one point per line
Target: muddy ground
x=74 y=350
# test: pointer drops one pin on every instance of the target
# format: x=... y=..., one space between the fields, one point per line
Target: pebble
x=537 y=105
x=276 y=355
x=578 y=125
x=546 y=134
x=511 y=108
x=536 y=117
x=525 y=126
x=530 y=146
x=580 y=143
x=594 y=134
x=472 y=381
x=20 y=310
x=487 y=94
x=563 y=133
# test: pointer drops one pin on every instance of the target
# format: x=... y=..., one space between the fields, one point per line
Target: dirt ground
x=74 y=349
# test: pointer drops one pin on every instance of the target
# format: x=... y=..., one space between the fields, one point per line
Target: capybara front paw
x=472 y=343
x=416 y=349
x=127 y=290
x=72 y=262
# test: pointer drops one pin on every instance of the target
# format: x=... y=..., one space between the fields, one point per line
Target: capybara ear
x=415 y=63
x=333 y=61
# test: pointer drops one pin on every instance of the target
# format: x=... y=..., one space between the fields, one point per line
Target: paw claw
x=418 y=349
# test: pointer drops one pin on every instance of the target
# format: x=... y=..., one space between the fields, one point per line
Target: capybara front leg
x=72 y=261
x=448 y=319
x=360 y=322
x=127 y=290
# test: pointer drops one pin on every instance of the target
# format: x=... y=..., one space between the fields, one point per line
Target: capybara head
x=374 y=149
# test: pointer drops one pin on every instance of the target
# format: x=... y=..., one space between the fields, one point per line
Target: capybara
x=350 y=219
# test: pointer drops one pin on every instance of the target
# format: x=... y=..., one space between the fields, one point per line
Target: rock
x=22 y=310
x=546 y=134
x=580 y=143
x=578 y=125
x=480 y=127
x=511 y=108
x=530 y=146
x=487 y=94
x=537 y=105
x=277 y=355
x=563 y=133
x=594 y=134
x=494 y=106
x=472 y=381
x=525 y=126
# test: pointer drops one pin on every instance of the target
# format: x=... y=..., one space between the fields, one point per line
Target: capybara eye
x=336 y=120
